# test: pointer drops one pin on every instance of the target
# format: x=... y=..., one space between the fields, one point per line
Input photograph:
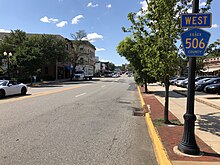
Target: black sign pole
x=188 y=144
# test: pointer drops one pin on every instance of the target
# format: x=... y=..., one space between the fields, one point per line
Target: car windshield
x=212 y=79
x=3 y=83
x=79 y=72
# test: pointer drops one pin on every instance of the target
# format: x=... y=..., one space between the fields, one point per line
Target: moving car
x=213 y=88
x=201 y=86
x=10 y=87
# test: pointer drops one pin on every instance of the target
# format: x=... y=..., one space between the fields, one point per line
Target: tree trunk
x=145 y=85
x=72 y=73
x=166 y=107
x=31 y=80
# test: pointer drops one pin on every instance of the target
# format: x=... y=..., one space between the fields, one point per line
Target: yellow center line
x=38 y=94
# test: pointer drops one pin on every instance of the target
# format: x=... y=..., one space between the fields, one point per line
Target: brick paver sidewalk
x=171 y=135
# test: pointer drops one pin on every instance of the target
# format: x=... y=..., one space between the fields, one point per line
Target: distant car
x=9 y=87
x=115 y=75
x=174 y=81
x=129 y=74
x=213 y=88
x=201 y=86
x=182 y=83
x=79 y=75
x=202 y=80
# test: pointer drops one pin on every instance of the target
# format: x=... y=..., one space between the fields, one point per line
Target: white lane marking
x=80 y=95
x=103 y=86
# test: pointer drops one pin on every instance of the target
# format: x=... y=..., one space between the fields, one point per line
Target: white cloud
x=5 y=31
x=202 y=4
x=92 y=37
x=61 y=24
x=143 y=8
x=109 y=6
x=189 y=11
x=76 y=19
x=144 y=5
x=100 y=49
x=92 y=5
x=104 y=60
x=45 y=19
x=215 y=26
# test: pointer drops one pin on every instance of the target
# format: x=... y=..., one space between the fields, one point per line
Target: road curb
x=199 y=100
x=159 y=150
x=141 y=98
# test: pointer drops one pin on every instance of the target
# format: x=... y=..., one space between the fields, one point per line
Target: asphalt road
x=79 y=123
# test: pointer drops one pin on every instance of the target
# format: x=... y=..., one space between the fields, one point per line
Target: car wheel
x=2 y=93
x=23 y=91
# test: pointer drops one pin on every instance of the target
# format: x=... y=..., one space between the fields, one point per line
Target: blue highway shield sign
x=195 y=42
x=196 y=20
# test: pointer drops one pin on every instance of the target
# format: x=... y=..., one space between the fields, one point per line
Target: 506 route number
x=195 y=43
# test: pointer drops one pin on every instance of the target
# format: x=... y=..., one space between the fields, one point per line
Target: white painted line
x=103 y=86
x=80 y=95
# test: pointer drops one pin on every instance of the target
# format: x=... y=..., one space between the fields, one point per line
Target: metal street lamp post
x=188 y=144
x=8 y=55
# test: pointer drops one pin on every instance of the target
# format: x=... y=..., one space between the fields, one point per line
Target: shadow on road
x=14 y=96
x=60 y=84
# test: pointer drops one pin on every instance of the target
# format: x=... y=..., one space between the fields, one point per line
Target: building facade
x=63 y=70
x=212 y=66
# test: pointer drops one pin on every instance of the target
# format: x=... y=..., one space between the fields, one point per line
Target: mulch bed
x=171 y=136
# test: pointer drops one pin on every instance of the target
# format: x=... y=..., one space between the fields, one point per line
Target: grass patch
x=160 y=122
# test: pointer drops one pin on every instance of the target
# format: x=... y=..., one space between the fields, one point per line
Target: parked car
x=182 y=83
x=172 y=82
x=201 y=86
x=10 y=87
x=79 y=75
x=213 y=88
x=115 y=75
x=202 y=80
x=202 y=77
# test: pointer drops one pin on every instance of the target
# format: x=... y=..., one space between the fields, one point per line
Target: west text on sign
x=196 y=20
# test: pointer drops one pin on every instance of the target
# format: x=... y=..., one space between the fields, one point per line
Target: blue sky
x=101 y=19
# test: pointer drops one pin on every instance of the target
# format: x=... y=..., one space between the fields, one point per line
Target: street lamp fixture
x=8 y=55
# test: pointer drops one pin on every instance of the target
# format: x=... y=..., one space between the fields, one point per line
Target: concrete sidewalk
x=207 y=123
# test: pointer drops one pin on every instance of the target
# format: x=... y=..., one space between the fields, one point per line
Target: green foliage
x=111 y=66
x=213 y=49
x=32 y=52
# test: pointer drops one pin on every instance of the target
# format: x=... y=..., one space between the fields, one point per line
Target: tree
x=12 y=43
x=156 y=31
x=111 y=66
x=38 y=51
x=80 y=35
x=32 y=52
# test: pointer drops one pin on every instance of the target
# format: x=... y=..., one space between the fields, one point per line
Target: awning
x=210 y=70
x=69 y=67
